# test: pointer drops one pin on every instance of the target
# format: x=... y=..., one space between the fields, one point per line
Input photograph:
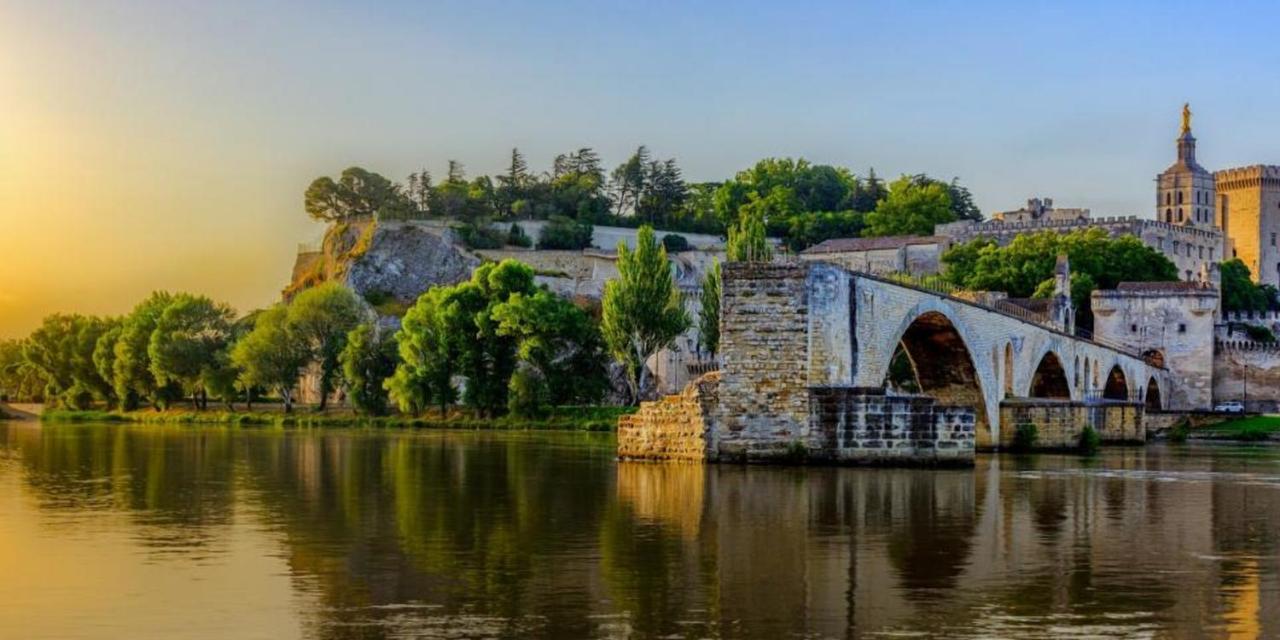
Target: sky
x=152 y=145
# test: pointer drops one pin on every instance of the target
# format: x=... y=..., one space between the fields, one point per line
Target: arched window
x=1168 y=198
x=1168 y=215
x=1180 y=217
x=1179 y=197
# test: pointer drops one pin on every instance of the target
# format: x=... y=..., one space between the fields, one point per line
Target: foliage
x=270 y=355
x=642 y=310
x=675 y=243
x=1025 y=266
x=320 y=318
x=709 y=314
x=1180 y=431
x=481 y=236
x=188 y=344
x=528 y=396
x=1259 y=333
x=747 y=241
x=428 y=358
x=1241 y=293
x=19 y=381
x=1090 y=441
x=367 y=360
x=516 y=237
x=561 y=232
x=356 y=193
x=1025 y=436
x=133 y=380
x=558 y=344
x=912 y=207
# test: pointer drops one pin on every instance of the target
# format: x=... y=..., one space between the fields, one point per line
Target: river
x=110 y=531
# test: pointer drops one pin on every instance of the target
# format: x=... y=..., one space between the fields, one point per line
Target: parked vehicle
x=1231 y=406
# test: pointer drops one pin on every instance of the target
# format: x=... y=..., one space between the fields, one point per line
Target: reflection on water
x=112 y=531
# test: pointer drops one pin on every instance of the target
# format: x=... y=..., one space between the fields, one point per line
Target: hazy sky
x=166 y=144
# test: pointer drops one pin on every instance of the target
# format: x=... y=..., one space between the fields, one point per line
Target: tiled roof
x=843 y=245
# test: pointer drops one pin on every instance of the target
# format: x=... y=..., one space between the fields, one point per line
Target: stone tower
x=1249 y=211
x=1062 y=311
x=1185 y=191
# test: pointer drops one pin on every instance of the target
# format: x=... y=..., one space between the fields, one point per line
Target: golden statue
x=1186 y=117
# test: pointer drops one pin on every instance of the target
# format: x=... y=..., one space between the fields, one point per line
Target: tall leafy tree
x=560 y=345
x=910 y=208
x=628 y=182
x=709 y=315
x=270 y=356
x=188 y=346
x=513 y=185
x=747 y=241
x=1241 y=293
x=132 y=379
x=368 y=359
x=428 y=357
x=642 y=310
x=357 y=192
x=321 y=318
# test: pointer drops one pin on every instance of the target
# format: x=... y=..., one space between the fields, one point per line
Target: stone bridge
x=830 y=364
x=959 y=352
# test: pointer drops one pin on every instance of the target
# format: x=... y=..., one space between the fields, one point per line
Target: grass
x=559 y=418
x=1251 y=429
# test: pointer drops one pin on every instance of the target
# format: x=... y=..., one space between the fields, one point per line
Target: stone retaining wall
x=868 y=426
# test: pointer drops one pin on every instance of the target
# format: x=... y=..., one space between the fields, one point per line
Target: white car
x=1232 y=406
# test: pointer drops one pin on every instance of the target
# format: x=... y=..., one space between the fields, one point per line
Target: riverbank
x=560 y=418
x=1250 y=429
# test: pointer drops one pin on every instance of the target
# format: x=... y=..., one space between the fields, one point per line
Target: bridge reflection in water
x=384 y=534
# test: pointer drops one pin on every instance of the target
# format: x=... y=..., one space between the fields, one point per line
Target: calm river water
x=152 y=532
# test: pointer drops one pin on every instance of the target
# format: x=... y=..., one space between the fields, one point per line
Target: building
x=1041 y=209
x=1185 y=191
x=1249 y=212
x=892 y=254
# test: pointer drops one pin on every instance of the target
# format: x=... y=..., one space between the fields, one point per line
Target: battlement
x=1246 y=345
x=1251 y=316
x=1129 y=224
x=1247 y=174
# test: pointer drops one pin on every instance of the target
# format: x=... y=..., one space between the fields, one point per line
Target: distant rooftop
x=1160 y=287
x=844 y=245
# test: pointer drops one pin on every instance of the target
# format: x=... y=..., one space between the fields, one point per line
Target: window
x=1179 y=214
x=1182 y=328
x=1168 y=198
x=1133 y=328
x=1201 y=252
x=1179 y=197
x=1210 y=253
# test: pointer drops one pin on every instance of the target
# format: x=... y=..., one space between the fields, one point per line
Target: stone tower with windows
x=1185 y=192
x=1249 y=212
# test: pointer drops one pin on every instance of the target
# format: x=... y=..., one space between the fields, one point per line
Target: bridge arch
x=1117 y=385
x=1153 y=399
x=1049 y=380
x=944 y=364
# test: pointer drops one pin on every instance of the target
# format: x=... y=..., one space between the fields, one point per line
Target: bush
x=1025 y=436
x=481 y=236
x=1259 y=333
x=565 y=233
x=675 y=243
x=1090 y=441
x=516 y=237
x=1180 y=431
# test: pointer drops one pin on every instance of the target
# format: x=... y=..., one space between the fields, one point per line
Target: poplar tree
x=642 y=311
x=709 y=317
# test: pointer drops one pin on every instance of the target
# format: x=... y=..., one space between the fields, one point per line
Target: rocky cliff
x=388 y=263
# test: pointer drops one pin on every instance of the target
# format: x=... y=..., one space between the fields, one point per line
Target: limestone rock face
x=386 y=260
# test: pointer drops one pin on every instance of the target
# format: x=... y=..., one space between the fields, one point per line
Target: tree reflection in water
x=441 y=534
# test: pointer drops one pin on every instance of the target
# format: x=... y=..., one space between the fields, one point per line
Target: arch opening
x=1117 y=387
x=1152 y=401
x=942 y=367
x=1050 y=379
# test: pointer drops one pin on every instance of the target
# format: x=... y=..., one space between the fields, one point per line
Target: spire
x=1186 y=141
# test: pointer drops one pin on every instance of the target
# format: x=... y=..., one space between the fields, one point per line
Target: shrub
x=1025 y=436
x=477 y=236
x=516 y=237
x=675 y=243
x=1259 y=333
x=565 y=233
x=1090 y=441
x=1180 y=431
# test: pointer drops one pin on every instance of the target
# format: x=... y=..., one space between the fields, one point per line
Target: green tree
x=1024 y=267
x=132 y=377
x=642 y=311
x=270 y=356
x=1240 y=292
x=321 y=318
x=747 y=241
x=513 y=185
x=368 y=359
x=356 y=193
x=188 y=344
x=709 y=316
x=19 y=381
x=559 y=346
x=428 y=356
x=910 y=208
